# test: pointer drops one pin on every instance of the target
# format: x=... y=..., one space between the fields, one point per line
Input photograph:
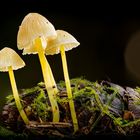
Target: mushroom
x=64 y=42
x=34 y=33
x=9 y=61
x=33 y=26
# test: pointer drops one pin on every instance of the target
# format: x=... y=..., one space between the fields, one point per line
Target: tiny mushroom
x=32 y=27
x=34 y=33
x=64 y=42
x=9 y=61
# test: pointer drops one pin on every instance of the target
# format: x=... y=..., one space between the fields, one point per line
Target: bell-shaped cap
x=33 y=26
x=63 y=38
x=8 y=57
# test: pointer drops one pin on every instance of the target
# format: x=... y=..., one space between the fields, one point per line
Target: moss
x=5 y=132
x=40 y=106
x=97 y=99
x=23 y=93
x=137 y=89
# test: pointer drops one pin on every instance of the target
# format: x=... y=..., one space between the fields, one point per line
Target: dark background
x=105 y=33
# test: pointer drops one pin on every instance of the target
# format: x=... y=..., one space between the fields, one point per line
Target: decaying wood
x=34 y=124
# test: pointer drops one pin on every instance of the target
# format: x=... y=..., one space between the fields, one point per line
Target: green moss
x=5 y=132
x=41 y=84
x=10 y=135
x=40 y=106
x=62 y=100
x=136 y=100
x=23 y=93
x=137 y=89
x=75 y=83
x=92 y=96
x=81 y=80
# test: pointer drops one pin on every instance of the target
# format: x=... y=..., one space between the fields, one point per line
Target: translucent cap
x=8 y=57
x=63 y=38
x=33 y=26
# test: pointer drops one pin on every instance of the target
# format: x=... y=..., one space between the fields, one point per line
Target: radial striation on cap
x=63 y=38
x=33 y=26
x=8 y=57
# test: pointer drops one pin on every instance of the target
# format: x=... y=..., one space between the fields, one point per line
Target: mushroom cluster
x=37 y=35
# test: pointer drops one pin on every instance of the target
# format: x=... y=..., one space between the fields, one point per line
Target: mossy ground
x=101 y=108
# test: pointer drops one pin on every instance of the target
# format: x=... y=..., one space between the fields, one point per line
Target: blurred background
x=109 y=42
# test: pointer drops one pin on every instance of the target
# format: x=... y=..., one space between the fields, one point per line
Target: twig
x=48 y=125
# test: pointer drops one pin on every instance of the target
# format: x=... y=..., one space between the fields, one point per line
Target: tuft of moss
x=41 y=107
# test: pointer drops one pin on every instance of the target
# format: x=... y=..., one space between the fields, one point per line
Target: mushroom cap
x=33 y=26
x=8 y=57
x=63 y=38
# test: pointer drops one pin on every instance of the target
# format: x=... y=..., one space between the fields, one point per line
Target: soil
x=103 y=109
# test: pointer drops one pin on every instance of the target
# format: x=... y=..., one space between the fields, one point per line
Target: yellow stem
x=68 y=87
x=52 y=79
x=47 y=80
x=16 y=96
